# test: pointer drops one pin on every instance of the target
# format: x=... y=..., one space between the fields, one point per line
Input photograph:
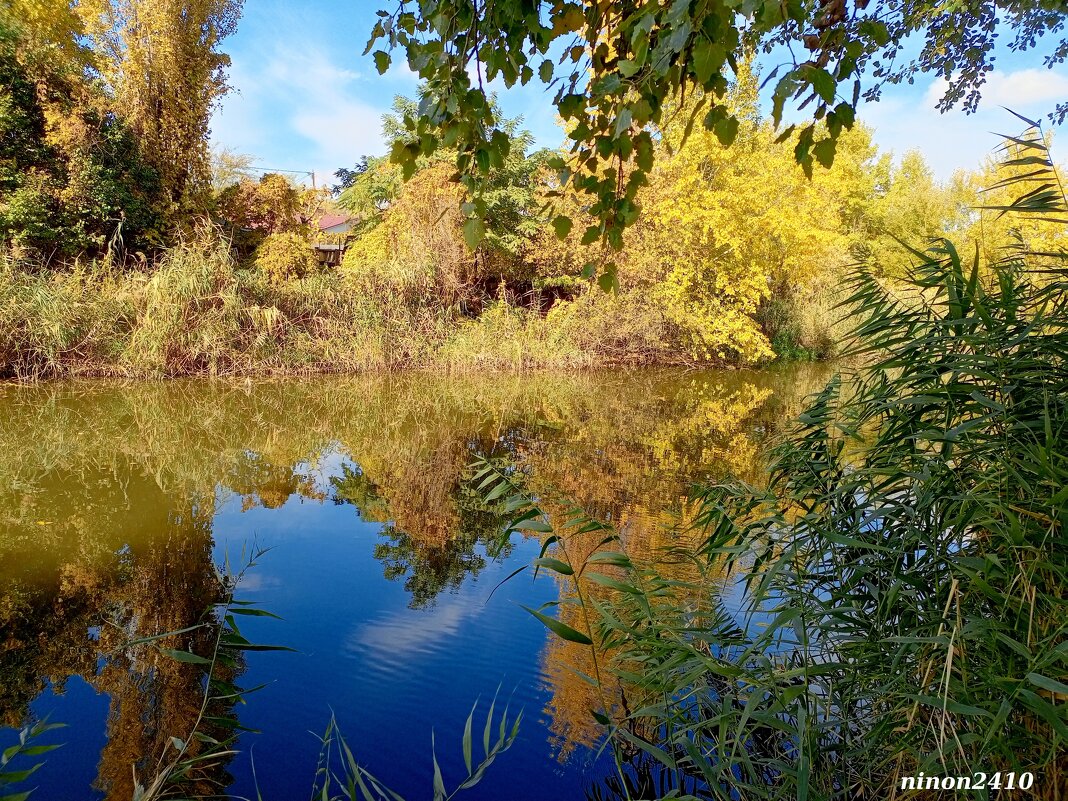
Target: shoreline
x=623 y=366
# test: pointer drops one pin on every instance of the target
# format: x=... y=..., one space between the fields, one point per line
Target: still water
x=118 y=501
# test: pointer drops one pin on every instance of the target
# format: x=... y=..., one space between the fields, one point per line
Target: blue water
x=116 y=499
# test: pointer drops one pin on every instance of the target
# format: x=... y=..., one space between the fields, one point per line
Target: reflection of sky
x=399 y=635
x=389 y=673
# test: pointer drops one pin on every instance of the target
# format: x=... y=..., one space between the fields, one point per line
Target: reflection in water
x=109 y=492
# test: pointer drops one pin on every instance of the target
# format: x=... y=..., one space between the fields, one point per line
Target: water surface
x=117 y=501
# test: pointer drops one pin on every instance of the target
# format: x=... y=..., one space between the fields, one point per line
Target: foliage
x=270 y=205
x=909 y=205
x=616 y=67
x=341 y=778
x=284 y=256
x=901 y=579
x=72 y=178
x=161 y=64
x=419 y=240
x=228 y=167
x=194 y=758
x=417 y=252
x=726 y=232
x=252 y=211
x=24 y=748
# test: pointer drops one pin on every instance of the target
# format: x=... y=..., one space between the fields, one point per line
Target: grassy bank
x=198 y=313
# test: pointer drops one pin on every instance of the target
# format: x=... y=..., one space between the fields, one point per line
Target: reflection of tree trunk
x=154 y=697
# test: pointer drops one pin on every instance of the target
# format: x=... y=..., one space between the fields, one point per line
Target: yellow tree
x=161 y=62
x=48 y=31
x=913 y=207
x=727 y=229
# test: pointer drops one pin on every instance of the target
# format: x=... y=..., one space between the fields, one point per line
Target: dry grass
x=198 y=313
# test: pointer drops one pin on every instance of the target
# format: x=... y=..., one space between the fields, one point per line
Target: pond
x=118 y=501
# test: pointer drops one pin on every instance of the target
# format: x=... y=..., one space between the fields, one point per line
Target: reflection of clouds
x=398 y=636
x=255 y=580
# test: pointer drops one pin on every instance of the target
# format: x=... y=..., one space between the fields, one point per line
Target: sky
x=305 y=99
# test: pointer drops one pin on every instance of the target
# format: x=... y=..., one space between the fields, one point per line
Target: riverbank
x=197 y=313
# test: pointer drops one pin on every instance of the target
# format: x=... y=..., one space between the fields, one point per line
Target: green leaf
x=556 y=565
x=561 y=630
x=726 y=130
x=643 y=147
x=707 y=59
x=591 y=235
x=608 y=281
x=382 y=60
x=824 y=152
x=533 y=525
x=439 y=784
x=611 y=558
x=1046 y=683
x=185 y=656
x=253 y=612
x=467 y=740
x=615 y=584
x=545 y=71
x=822 y=83
x=874 y=30
x=562 y=225
x=474 y=232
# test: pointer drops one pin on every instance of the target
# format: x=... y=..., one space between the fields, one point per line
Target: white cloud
x=1012 y=89
x=955 y=140
x=298 y=107
x=397 y=637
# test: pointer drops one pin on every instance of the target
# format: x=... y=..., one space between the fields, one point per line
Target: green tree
x=72 y=177
x=419 y=229
x=615 y=66
x=912 y=206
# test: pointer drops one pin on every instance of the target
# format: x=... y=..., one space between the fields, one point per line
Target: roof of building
x=332 y=220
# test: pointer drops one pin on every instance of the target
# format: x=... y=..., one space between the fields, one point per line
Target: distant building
x=331 y=236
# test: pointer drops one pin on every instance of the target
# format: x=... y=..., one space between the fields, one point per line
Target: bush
x=284 y=256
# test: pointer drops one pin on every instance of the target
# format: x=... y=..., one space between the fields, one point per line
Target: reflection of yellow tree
x=107 y=491
x=154 y=697
x=163 y=584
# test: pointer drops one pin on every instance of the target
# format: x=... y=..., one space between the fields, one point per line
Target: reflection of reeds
x=108 y=491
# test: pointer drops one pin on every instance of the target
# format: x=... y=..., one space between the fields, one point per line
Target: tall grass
x=197 y=312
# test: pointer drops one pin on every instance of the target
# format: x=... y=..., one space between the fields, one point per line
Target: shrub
x=284 y=256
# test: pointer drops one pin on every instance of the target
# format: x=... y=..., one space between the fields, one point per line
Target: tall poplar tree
x=162 y=63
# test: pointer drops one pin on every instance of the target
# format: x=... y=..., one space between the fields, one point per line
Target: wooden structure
x=331 y=238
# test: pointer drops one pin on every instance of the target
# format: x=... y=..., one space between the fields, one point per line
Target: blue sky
x=305 y=99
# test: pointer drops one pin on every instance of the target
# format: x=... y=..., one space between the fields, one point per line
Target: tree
x=615 y=66
x=912 y=206
x=268 y=204
x=72 y=177
x=730 y=237
x=415 y=238
x=160 y=61
x=228 y=167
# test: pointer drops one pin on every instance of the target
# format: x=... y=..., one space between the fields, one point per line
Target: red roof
x=330 y=220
